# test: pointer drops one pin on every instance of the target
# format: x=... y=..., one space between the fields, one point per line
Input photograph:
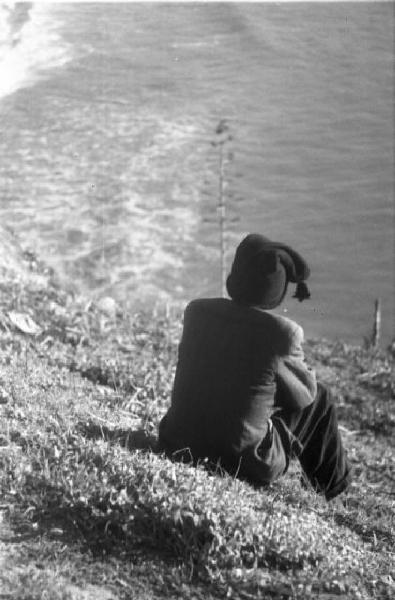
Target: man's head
x=261 y=271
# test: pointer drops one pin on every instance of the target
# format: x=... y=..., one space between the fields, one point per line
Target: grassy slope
x=87 y=510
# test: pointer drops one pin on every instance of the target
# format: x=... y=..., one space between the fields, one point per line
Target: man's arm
x=296 y=381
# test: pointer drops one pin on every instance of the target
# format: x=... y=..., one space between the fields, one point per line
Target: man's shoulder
x=289 y=333
x=202 y=303
x=224 y=307
x=212 y=314
x=228 y=309
x=286 y=324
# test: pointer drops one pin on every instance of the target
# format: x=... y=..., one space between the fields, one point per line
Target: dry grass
x=89 y=508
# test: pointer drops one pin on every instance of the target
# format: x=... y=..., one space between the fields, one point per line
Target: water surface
x=107 y=114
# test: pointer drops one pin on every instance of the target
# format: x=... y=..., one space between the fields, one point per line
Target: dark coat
x=235 y=363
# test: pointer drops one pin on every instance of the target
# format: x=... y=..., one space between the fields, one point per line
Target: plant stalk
x=222 y=219
x=376 y=324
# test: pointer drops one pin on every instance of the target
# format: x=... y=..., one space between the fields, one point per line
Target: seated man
x=243 y=397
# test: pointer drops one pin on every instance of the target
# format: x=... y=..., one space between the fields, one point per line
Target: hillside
x=89 y=510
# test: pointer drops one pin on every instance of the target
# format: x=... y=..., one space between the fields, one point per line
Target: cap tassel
x=302 y=292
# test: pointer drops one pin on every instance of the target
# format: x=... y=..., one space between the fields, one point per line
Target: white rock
x=108 y=306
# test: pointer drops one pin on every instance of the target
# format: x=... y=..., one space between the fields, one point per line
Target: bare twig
x=348 y=431
x=376 y=324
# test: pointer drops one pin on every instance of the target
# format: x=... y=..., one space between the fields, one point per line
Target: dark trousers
x=320 y=449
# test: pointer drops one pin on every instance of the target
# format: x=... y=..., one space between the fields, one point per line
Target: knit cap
x=261 y=271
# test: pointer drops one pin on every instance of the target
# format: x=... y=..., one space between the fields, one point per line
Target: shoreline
x=28 y=269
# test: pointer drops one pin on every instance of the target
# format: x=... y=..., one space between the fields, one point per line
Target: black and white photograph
x=197 y=300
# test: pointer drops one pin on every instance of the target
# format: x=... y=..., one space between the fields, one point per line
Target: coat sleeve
x=296 y=381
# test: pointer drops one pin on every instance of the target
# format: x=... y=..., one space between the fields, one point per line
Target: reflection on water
x=107 y=167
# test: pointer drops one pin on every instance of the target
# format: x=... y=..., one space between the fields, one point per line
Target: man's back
x=226 y=378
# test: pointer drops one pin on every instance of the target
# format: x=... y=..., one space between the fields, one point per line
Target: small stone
x=24 y=323
x=108 y=306
x=4 y=396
